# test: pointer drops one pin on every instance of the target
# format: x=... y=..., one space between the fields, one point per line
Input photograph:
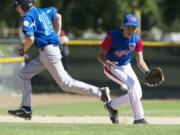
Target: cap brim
x=131 y=24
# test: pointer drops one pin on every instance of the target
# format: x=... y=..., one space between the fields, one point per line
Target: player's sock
x=27 y=108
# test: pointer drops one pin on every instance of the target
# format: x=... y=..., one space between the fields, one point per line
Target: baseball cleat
x=22 y=113
x=113 y=113
x=140 y=121
x=105 y=91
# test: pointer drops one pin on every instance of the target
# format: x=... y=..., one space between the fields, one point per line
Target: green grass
x=158 y=108
x=151 y=107
x=86 y=129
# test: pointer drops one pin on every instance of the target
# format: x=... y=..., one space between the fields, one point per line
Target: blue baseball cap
x=131 y=20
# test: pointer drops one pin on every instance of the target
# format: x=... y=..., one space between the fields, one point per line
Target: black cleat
x=140 y=121
x=22 y=113
x=113 y=113
x=105 y=97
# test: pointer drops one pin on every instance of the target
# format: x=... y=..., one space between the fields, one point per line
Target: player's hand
x=20 y=51
x=110 y=64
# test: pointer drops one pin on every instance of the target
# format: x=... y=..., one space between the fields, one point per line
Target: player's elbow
x=58 y=23
x=58 y=17
x=140 y=63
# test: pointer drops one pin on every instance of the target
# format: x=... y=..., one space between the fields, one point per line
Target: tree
x=80 y=15
x=6 y=14
x=170 y=14
x=84 y=14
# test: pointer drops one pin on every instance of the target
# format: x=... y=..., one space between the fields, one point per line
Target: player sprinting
x=115 y=55
x=38 y=29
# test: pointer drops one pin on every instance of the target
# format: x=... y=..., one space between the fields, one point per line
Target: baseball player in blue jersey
x=115 y=55
x=38 y=28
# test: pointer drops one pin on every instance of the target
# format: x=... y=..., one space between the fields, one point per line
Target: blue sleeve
x=52 y=12
x=28 y=26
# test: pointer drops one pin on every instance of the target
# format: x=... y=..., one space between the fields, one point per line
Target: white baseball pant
x=125 y=75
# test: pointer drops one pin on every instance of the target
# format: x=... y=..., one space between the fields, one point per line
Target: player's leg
x=126 y=74
x=51 y=58
x=135 y=95
x=31 y=69
x=113 y=105
x=118 y=78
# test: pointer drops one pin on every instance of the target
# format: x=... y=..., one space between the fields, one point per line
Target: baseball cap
x=131 y=20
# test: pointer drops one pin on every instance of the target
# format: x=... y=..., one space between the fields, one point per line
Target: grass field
x=152 y=108
x=86 y=129
x=63 y=105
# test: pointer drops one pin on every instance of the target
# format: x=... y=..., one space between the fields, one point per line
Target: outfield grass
x=86 y=129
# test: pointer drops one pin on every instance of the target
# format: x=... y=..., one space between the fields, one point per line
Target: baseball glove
x=154 y=77
x=20 y=51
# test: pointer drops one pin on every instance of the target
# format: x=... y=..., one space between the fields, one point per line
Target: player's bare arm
x=58 y=24
x=140 y=62
x=101 y=58
x=28 y=41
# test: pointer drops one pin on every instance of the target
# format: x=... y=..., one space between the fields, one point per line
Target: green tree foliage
x=149 y=11
x=84 y=14
x=80 y=15
x=171 y=14
x=7 y=13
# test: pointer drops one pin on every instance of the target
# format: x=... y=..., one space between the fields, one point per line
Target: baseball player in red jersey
x=115 y=56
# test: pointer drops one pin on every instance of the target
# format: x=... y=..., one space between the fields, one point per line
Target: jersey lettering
x=121 y=53
x=46 y=23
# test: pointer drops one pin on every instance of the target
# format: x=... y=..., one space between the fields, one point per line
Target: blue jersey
x=120 y=49
x=38 y=22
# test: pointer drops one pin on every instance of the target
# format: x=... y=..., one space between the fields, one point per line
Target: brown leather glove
x=154 y=77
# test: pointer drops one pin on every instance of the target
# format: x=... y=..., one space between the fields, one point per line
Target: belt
x=42 y=48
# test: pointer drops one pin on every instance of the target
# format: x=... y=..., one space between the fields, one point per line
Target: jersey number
x=46 y=23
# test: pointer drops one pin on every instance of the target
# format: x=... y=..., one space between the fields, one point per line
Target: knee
x=66 y=84
x=131 y=83
x=135 y=87
x=23 y=76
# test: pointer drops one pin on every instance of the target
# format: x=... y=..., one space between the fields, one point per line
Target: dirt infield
x=88 y=120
